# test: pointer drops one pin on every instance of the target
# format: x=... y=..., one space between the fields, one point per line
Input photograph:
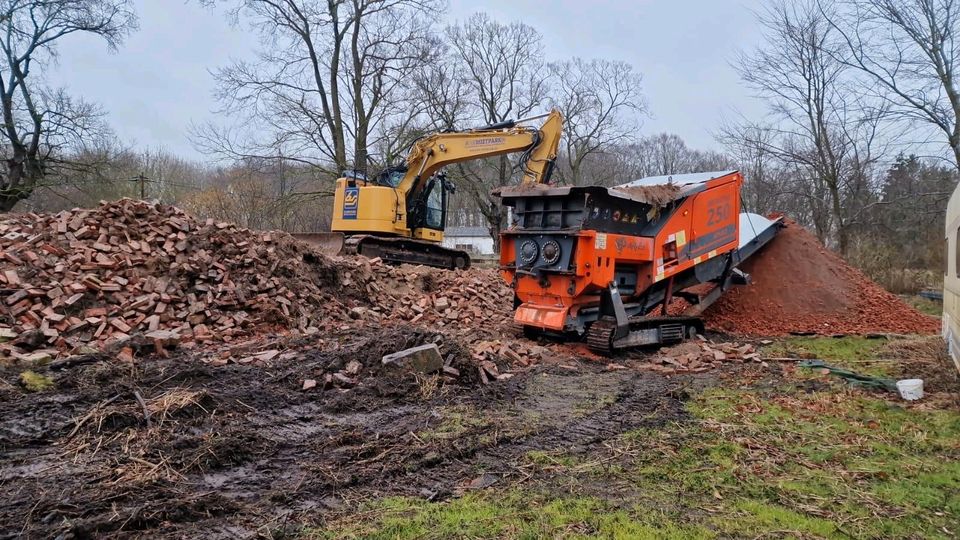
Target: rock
x=31 y=339
x=38 y=358
x=6 y=334
x=166 y=337
x=422 y=359
x=266 y=356
x=126 y=355
x=353 y=368
x=309 y=383
x=491 y=369
x=343 y=380
x=452 y=371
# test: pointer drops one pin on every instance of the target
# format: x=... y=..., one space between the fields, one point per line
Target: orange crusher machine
x=599 y=261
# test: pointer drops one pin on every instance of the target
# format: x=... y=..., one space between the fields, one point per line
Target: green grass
x=515 y=514
x=840 y=350
x=822 y=464
x=856 y=353
x=924 y=305
x=771 y=461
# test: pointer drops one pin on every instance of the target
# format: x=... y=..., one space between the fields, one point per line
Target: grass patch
x=776 y=461
x=825 y=464
x=514 y=514
x=924 y=305
x=839 y=350
x=856 y=353
x=542 y=458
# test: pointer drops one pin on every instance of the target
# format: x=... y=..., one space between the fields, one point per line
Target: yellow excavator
x=400 y=214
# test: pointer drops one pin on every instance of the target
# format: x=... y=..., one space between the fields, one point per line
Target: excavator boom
x=432 y=153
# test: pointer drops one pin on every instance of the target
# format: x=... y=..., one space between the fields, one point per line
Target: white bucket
x=910 y=389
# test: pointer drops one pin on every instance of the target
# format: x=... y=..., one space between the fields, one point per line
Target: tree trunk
x=496 y=218
x=22 y=176
x=360 y=138
x=339 y=140
x=955 y=146
x=837 y=206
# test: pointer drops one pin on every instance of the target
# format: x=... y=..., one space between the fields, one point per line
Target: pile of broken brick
x=697 y=356
x=130 y=277
x=92 y=277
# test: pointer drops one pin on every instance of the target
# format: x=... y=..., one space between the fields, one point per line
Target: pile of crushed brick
x=800 y=286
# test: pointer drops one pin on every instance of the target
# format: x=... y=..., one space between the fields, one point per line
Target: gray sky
x=158 y=82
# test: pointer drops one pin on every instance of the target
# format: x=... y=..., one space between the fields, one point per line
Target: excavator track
x=406 y=251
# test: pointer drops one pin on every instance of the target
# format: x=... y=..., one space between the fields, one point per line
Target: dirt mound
x=800 y=286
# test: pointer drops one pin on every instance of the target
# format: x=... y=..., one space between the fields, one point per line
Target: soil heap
x=800 y=286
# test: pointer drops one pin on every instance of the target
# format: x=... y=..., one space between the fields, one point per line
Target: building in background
x=473 y=240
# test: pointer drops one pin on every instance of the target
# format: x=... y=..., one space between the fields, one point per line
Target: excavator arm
x=539 y=147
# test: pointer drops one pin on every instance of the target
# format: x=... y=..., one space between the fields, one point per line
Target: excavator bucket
x=329 y=243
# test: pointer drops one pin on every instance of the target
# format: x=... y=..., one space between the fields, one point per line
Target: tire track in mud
x=641 y=401
x=248 y=448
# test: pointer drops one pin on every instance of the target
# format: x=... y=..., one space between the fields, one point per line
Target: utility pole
x=143 y=184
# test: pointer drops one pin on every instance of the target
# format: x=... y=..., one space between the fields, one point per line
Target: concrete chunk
x=423 y=359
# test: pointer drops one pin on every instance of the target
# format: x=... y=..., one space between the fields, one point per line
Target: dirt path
x=177 y=448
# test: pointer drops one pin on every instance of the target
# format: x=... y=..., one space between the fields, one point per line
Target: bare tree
x=766 y=180
x=909 y=52
x=43 y=127
x=327 y=77
x=601 y=104
x=660 y=154
x=502 y=76
x=821 y=129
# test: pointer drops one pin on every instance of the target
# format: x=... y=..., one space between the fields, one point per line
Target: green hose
x=855 y=379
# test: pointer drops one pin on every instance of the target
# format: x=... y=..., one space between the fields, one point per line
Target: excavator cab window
x=436 y=203
x=391 y=176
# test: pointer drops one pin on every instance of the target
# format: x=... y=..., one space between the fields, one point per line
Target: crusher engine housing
x=598 y=261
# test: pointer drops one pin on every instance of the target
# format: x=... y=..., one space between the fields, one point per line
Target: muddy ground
x=175 y=447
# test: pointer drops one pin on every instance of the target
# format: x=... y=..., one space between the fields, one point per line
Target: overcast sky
x=159 y=80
